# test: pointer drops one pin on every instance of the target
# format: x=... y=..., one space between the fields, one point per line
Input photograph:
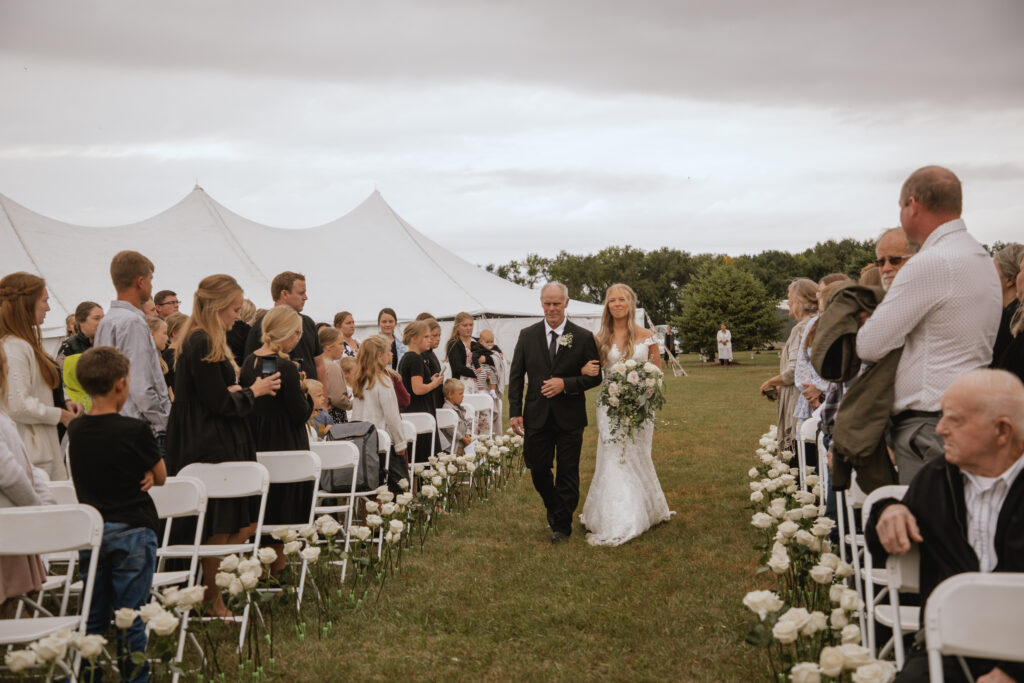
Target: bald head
x=982 y=422
x=992 y=392
x=936 y=189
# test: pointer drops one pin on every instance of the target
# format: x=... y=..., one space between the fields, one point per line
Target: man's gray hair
x=911 y=248
x=554 y=283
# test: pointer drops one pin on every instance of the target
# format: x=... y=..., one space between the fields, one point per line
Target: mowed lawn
x=489 y=598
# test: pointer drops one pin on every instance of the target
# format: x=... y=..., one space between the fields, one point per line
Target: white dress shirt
x=944 y=309
x=984 y=498
x=561 y=329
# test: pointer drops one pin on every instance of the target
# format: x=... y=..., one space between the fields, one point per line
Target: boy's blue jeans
x=124 y=576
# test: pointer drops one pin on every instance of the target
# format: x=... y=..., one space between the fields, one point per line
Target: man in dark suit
x=552 y=353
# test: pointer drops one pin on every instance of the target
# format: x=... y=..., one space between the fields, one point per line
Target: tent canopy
x=367 y=259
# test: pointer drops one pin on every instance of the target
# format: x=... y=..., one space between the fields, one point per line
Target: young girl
x=375 y=401
x=454 y=390
x=158 y=328
x=418 y=380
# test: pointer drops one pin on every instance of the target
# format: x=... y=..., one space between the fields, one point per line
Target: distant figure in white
x=724 y=346
x=625 y=498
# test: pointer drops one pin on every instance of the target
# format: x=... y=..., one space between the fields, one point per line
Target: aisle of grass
x=489 y=598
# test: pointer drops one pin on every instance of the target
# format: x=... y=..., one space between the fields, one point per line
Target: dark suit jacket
x=532 y=358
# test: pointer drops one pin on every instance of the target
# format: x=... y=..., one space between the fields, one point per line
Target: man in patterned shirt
x=943 y=308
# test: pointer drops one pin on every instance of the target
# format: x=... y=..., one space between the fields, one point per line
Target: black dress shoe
x=559 y=537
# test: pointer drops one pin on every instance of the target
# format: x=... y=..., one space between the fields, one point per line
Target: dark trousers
x=551 y=445
x=915 y=669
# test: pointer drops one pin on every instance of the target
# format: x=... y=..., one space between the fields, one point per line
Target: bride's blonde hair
x=604 y=335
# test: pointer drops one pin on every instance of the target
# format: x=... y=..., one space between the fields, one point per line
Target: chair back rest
x=289 y=467
x=39 y=529
x=336 y=455
x=230 y=479
x=881 y=493
x=64 y=492
x=179 y=497
x=447 y=418
x=977 y=615
x=408 y=430
x=855 y=495
x=809 y=429
x=905 y=571
x=478 y=402
x=423 y=423
x=383 y=441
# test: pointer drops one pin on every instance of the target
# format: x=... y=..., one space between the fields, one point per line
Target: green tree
x=726 y=292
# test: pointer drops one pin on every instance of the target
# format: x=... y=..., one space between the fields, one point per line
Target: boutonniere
x=566 y=340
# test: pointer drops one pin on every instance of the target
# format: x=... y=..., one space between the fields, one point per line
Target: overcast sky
x=501 y=128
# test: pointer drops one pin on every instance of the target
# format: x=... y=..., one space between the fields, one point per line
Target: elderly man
x=965 y=510
x=893 y=251
x=943 y=308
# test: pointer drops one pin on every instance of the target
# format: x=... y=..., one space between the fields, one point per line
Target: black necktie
x=553 y=346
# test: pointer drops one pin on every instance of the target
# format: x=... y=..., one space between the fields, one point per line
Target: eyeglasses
x=894 y=260
x=170 y=302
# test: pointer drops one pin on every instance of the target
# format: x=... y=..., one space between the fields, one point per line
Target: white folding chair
x=293 y=467
x=879 y=577
x=847 y=503
x=806 y=434
x=63 y=492
x=231 y=480
x=975 y=615
x=334 y=456
x=423 y=423
x=824 y=474
x=904 y=575
x=36 y=530
x=447 y=419
x=409 y=432
x=480 y=403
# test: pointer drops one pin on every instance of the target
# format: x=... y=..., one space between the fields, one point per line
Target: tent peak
x=198 y=188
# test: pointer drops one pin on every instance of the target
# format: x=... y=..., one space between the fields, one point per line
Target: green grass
x=489 y=598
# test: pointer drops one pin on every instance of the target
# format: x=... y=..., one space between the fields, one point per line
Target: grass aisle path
x=490 y=598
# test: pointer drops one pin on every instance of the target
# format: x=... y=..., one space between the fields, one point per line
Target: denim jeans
x=124 y=576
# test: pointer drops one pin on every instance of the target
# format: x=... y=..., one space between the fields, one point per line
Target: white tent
x=366 y=260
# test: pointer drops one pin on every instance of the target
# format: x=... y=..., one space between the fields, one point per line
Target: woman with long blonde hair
x=625 y=497
x=208 y=416
x=374 y=398
x=33 y=374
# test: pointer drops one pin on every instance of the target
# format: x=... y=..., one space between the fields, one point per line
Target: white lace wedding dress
x=625 y=499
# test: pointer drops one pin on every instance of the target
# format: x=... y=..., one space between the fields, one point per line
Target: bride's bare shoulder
x=642 y=333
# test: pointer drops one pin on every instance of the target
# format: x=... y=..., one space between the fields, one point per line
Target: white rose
x=817 y=622
x=51 y=648
x=785 y=632
x=436 y=481
x=804 y=538
x=170 y=596
x=432 y=459
x=374 y=521
x=630 y=364
x=762 y=602
x=229 y=563
x=147 y=612
x=383 y=488
x=831 y=661
x=396 y=527
x=296 y=546
x=517 y=440
x=190 y=597
x=279 y=534
x=811 y=479
x=851 y=633
x=766 y=458
x=249 y=580
x=388 y=509
x=793 y=515
x=633 y=378
x=779 y=563
x=650 y=382
x=404 y=499
x=250 y=565
x=470 y=467
x=805 y=672
x=429 y=492
x=875 y=672
x=390 y=538
x=124 y=617
x=844 y=569
x=311 y=554
x=89 y=645
x=164 y=624
x=830 y=560
x=753 y=473
x=267 y=555
x=850 y=601
x=811 y=511
x=19 y=660
x=371 y=507
x=854 y=655
x=756 y=497
x=330 y=528
x=235 y=587
x=838 y=619
x=761 y=520
x=385 y=497
x=756 y=486
x=835 y=593
x=223 y=579
x=619 y=368
x=361 y=533
x=788 y=529
x=821 y=574
x=613 y=388
x=452 y=468
x=418 y=467
x=403 y=484
x=804 y=497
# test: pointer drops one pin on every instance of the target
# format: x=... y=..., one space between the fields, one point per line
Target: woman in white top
x=724 y=346
x=33 y=376
x=374 y=397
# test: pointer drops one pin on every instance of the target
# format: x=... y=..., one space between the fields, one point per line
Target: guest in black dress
x=419 y=381
x=278 y=422
x=430 y=358
x=1007 y=262
x=208 y=416
x=458 y=348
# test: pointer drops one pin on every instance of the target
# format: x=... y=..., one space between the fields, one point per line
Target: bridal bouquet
x=631 y=392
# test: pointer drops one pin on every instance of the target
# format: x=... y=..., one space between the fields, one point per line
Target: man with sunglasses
x=943 y=308
x=893 y=250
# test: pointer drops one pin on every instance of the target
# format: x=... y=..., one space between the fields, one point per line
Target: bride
x=625 y=498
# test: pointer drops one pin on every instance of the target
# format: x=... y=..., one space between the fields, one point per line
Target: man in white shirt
x=943 y=308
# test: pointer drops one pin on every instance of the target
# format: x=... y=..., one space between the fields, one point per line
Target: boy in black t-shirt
x=114 y=462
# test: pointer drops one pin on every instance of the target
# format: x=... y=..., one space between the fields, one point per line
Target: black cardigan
x=457 y=360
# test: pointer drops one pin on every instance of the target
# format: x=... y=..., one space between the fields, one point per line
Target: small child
x=158 y=329
x=320 y=421
x=114 y=462
x=454 y=390
x=348 y=368
x=483 y=364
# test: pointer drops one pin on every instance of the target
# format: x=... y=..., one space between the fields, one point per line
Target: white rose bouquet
x=632 y=392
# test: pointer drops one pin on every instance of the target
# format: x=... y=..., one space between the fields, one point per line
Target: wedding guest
x=320 y=420
x=434 y=366
x=802 y=296
x=239 y=332
x=375 y=401
x=870 y=276
x=166 y=303
x=490 y=373
x=459 y=348
x=148 y=308
x=20 y=484
x=724 y=340
x=278 y=421
x=348 y=370
x=175 y=321
x=810 y=384
x=420 y=385
x=124 y=327
x=69 y=326
x=401 y=393
x=893 y=250
x=32 y=374
x=158 y=330
x=346 y=324
x=1012 y=358
x=454 y=391
x=336 y=390
x=387 y=319
x=289 y=289
x=943 y=310
x=208 y=417
x=1007 y=262
x=87 y=320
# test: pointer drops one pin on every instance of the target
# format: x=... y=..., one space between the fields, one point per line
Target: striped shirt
x=984 y=497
